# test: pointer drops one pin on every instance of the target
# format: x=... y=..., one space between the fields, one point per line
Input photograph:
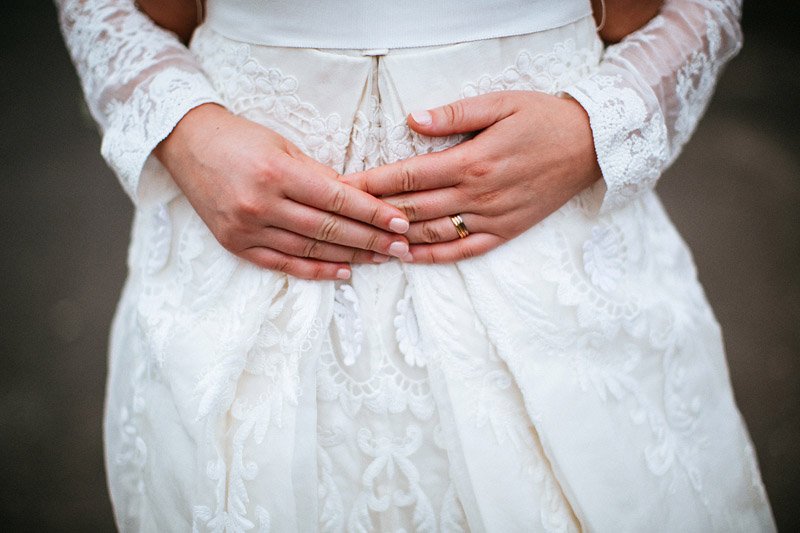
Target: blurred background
x=734 y=194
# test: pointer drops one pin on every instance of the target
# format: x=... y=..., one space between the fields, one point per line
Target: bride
x=400 y=266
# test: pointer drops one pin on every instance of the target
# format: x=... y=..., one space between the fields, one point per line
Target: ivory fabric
x=572 y=379
x=385 y=24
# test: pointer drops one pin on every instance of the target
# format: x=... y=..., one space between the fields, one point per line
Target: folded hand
x=267 y=202
x=532 y=153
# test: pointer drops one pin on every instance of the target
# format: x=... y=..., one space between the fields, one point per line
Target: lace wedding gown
x=572 y=379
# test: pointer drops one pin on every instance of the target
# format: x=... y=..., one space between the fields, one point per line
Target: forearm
x=650 y=90
x=138 y=80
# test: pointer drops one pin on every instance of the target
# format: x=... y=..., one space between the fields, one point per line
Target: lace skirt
x=571 y=379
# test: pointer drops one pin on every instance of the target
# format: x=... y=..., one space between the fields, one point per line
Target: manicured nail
x=398 y=249
x=343 y=273
x=423 y=118
x=379 y=258
x=398 y=225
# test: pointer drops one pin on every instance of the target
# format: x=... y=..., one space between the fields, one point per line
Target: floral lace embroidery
x=630 y=144
x=331 y=507
x=496 y=401
x=391 y=461
x=388 y=389
x=132 y=454
x=347 y=319
x=137 y=88
x=639 y=120
x=407 y=332
x=696 y=81
x=549 y=72
x=249 y=88
x=582 y=277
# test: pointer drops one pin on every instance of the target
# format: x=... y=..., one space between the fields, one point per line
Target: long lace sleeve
x=138 y=80
x=651 y=89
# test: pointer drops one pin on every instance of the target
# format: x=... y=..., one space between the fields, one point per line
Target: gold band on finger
x=461 y=228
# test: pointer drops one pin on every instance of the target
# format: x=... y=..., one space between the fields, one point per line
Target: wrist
x=584 y=139
x=194 y=129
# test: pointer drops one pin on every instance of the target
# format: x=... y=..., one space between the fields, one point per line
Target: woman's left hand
x=532 y=153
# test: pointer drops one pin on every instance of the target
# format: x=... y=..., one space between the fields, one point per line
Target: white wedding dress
x=572 y=379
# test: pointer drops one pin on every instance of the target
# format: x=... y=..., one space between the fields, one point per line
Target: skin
x=502 y=181
x=624 y=16
x=269 y=203
x=178 y=16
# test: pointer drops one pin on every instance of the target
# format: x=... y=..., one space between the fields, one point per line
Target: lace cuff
x=651 y=89
x=139 y=80
x=142 y=121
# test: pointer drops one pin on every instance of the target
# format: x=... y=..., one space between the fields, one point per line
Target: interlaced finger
x=296 y=266
x=457 y=250
x=297 y=245
x=427 y=205
x=328 y=193
x=329 y=227
x=442 y=229
x=418 y=173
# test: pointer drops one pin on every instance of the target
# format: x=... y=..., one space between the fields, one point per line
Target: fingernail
x=407 y=258
x=423 y=118
x=379 y=258
x=398 y=249
x=398 y=225
x=343 y=273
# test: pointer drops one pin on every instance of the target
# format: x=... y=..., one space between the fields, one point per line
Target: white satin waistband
x=385 y=24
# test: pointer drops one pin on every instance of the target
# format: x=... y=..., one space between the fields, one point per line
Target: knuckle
x=339 y=200
x=372 y=242
x=430 y=233
x=271 y=168
x=329 y=229
x=317 y=271
x=408 y=208
x=454 y=112
x=374 y=215
x=248 y=207
x=283 y=265
x=265 y=167
x=312 y=249
x=407 y=179
x=268 y=176
x=480 y=168
x=462 y=160
x=465 y=252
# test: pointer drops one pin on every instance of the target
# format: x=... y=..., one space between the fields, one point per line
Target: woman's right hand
x=269 y=203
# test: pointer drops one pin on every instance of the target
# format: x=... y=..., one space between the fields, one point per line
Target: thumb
x=462 y=116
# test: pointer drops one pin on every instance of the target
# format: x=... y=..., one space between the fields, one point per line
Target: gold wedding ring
x=461 y=228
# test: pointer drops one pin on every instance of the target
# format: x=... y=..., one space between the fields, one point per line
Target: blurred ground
x=734 y=194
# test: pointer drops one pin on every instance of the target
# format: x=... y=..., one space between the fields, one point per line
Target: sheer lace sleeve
x=138 y=80
x=651 y=89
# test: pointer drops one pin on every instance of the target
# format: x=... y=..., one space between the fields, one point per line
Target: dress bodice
x=385 y=23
